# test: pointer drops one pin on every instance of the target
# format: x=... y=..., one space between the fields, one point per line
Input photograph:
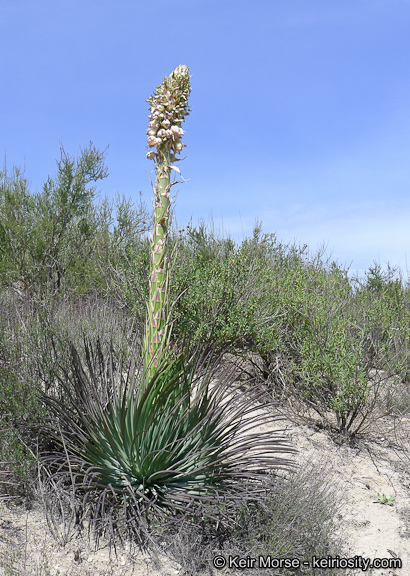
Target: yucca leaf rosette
x=168 y=109
x=146 y=445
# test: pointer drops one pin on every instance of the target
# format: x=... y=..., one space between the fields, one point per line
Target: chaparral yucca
x=172 y=436
x=160 y=445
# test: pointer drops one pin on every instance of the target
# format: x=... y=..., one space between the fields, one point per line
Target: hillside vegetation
x=299 y=329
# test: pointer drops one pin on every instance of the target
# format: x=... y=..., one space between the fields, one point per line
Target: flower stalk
x=168 y=108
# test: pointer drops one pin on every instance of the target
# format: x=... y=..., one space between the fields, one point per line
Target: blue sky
x=300 y=109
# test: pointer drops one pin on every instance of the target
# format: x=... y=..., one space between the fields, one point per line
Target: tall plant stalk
x=168 y=108
x=137 y=447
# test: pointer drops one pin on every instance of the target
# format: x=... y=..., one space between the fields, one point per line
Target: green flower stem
x=168 y=108
x=159 y=274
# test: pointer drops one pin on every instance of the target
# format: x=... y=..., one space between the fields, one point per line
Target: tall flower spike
x=168 y=109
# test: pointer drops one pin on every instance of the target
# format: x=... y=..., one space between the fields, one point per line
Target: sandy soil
x=376 y=464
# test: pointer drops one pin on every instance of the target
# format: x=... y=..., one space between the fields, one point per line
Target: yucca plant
x=159 y=445
x=166 y=434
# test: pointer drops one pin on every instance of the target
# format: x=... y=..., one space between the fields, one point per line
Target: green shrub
x=222 y=291
x=324 y=357
x=59 y=242
x=20 y=408
x=297 y=312
x=382 y=306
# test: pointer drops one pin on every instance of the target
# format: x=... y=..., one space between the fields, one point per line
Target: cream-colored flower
x=177 y=130
x=152 y=141
x=168 y=107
